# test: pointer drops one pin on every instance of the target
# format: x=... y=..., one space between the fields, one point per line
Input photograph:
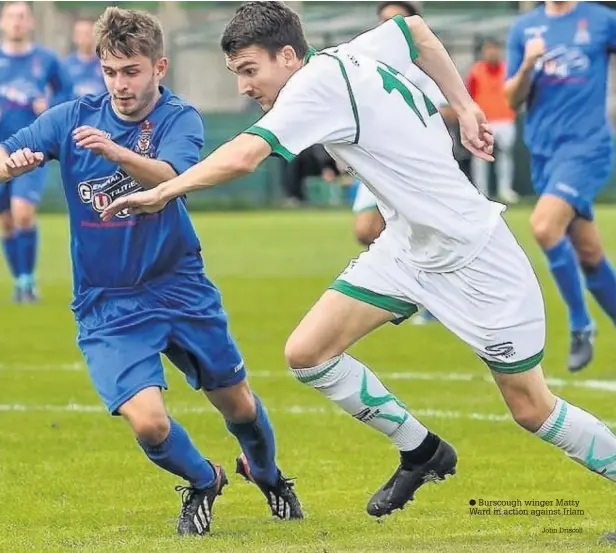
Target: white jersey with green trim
x=355 y=100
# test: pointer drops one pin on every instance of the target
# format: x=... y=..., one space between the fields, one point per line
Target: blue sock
x=566 y=272
x=257 y=441
x=10 y=253
x=177 y=455
x=601 y=283
x=27 y=240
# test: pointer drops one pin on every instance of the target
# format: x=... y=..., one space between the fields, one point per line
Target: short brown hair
x=129 y=33
x=270 y=25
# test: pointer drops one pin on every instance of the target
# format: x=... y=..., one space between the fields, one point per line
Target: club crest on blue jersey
x=582 y=34
x=144 y=142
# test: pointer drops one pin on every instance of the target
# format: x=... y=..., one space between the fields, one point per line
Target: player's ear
x=288 y=55
x=160 y=67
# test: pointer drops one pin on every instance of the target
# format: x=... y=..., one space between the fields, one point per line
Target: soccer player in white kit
x=445 y=245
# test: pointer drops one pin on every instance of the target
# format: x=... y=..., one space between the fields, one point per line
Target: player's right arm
x=314 y=107
x=521 y=60
x=32 y=145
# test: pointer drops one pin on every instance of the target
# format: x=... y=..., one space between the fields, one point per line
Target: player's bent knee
x=151 y=428
x=546 y=232
x=301 y=355
x=528 y=397
x=24 y=220
x=529 y=416
x=236 y=403
x=589 y=255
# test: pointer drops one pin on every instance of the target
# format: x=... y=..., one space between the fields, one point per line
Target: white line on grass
x=589 y=384
x=289 y=410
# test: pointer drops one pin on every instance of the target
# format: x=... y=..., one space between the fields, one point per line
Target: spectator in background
x=32 y=79
x=83 y=65
x=312 y=162
x=486 y=83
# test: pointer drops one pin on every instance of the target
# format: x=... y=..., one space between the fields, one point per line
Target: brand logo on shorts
x=505 y=350
x=566 y=189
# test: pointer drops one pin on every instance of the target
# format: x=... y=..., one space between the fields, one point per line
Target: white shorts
x=494 y=303
x=364 y=200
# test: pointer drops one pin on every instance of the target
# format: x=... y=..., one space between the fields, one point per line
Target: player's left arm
x=306 y=112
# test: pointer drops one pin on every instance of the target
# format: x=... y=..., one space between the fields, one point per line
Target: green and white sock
x=355 y=388
x=582 y=437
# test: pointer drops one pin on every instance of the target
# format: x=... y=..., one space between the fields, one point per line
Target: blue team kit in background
x=566 y=125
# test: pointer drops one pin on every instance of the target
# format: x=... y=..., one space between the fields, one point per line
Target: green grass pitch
x=73 y=479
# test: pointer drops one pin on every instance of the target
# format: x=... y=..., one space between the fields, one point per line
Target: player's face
x=16 y=22
x=83 y=36
x=261 y=76
x=133 y=83
x=491 y=53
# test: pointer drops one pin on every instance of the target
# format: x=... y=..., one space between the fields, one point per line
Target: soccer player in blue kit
x=139 y=283
x=32 y=79
x=558 y=66
x=83 y=65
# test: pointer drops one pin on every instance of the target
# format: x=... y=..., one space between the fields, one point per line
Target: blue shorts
x=575 y=176
x=29 y=187
x=122 y=333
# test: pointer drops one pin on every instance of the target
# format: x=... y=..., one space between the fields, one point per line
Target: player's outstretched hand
x=99 y=142
x=148 y=201
x=23 y=161
x=476 y=134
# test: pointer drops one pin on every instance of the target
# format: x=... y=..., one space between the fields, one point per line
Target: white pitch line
x=289 y=410
x=45 y=367
x=588 y=384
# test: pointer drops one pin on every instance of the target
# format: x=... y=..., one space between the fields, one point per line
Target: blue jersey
x=86 y=75
x=23 y=79
x=127 y=251
x=568 y=95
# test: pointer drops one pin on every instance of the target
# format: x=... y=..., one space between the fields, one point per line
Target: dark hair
x=270 y=25
x=121 y=32
x=408 y=7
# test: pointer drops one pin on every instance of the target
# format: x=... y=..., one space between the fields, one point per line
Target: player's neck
x=141 y=114
x=16 y=47
x=559 y=8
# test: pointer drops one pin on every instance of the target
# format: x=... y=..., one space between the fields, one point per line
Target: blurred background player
x=558 y=66
x=312 y=162
x=31 y=80
x=82 y=64
x=486 y=83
